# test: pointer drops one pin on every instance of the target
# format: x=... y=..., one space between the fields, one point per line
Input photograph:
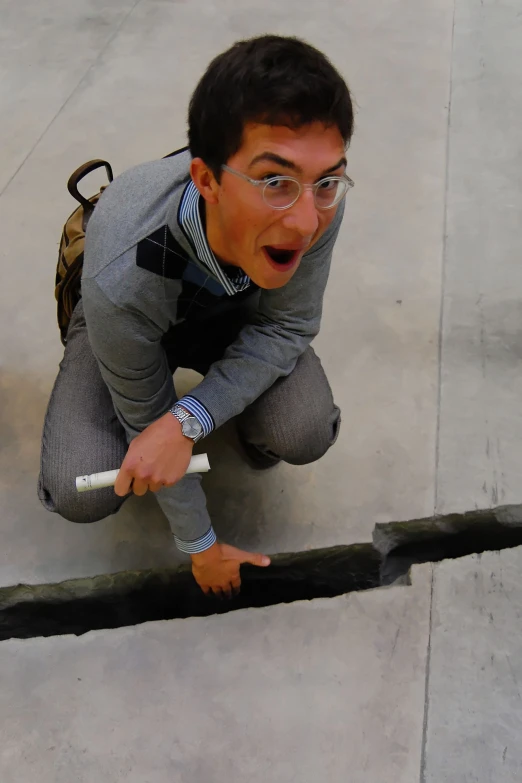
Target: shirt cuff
x=198 y=410
x=198 y=544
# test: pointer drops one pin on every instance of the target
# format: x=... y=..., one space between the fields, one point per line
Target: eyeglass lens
x=283 y=191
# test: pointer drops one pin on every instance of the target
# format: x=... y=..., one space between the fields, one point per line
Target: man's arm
x=133 y=364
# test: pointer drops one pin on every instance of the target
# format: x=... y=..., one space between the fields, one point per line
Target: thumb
x=256 y=559
x=231 y=553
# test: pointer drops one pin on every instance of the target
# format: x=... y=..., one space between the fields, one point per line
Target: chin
x=270 y=275
x=268 y=280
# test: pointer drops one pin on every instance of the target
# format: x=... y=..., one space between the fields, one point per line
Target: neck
x=215 y=236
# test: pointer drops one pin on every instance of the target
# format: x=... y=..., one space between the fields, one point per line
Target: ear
x=204 y=180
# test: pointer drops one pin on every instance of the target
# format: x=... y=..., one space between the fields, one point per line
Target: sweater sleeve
x=133 y=364
x=287 y=320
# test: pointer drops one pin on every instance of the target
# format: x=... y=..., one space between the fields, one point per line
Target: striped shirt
x=191 y=223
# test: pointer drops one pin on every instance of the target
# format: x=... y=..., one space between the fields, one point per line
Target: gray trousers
x=295 y=420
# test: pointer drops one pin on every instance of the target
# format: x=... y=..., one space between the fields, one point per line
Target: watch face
x=191 y=427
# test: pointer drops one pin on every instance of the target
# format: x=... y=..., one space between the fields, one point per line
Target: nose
x=302 y=216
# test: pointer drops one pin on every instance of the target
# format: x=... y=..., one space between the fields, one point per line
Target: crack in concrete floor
x=132 y=597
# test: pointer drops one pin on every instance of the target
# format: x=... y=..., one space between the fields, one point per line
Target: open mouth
x=280 y=258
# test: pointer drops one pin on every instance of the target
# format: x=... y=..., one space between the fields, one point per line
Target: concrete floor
x=474 y=675
x=420 y=339
x=251 y=695
x=405 y=684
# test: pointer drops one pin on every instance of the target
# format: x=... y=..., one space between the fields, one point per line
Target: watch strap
x=182 y=415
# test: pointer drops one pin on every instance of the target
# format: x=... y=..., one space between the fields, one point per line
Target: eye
x=267 y=177
x=276 y=182
x=327 y=184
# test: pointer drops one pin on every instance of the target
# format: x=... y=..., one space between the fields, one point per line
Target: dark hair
x=271 y=79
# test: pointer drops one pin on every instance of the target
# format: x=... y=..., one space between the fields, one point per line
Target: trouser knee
x=298 y=440
x=296 y=419
x=80 y=507
x=308 y=442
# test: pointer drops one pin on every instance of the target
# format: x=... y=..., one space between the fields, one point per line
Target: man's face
x=245 y=231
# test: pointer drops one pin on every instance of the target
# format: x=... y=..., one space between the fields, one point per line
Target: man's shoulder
x=149 y=178
x=134 y=206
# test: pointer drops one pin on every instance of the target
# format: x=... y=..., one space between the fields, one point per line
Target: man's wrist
x=198 y=545
x=198 y=410
x=207 y=556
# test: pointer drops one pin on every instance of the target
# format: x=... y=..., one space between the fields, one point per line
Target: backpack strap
x=176 y=152
x=79 y=174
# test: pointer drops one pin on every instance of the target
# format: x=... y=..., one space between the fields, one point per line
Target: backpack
x=67 y=286
x=70 y=255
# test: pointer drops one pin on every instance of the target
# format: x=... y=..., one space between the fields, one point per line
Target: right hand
x=158 y=457
x=217 y=569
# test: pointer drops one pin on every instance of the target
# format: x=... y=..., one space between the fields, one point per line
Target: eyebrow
x=271 y=157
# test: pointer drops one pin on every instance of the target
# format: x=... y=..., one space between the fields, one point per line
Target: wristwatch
x=190 y=426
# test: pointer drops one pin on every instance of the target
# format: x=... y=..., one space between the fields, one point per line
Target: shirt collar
x=189 y=218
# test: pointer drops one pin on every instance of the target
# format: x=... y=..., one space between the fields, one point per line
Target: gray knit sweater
x=143 y=273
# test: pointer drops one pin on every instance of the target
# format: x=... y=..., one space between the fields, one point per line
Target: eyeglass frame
x=302 y=186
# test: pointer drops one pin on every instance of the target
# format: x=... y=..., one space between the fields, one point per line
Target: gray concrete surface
x=474 y=698
x=403 y=684
x=329 y=689
x=325 y=690
x=44 y=55
x=123 y=96
x=480 y=414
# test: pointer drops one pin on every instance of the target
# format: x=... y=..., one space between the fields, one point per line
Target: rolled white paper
x=198 y=464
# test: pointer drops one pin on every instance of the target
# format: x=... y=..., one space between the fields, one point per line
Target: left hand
x=217 y=569
x=158 y=457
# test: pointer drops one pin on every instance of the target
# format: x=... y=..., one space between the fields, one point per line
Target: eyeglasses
x=283 y=192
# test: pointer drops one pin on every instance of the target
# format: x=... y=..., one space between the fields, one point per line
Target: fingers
x=155 y=486
x=217 y=570
x=123 y=482
x=139 y=485
x=230 y=590
x=128 y=480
